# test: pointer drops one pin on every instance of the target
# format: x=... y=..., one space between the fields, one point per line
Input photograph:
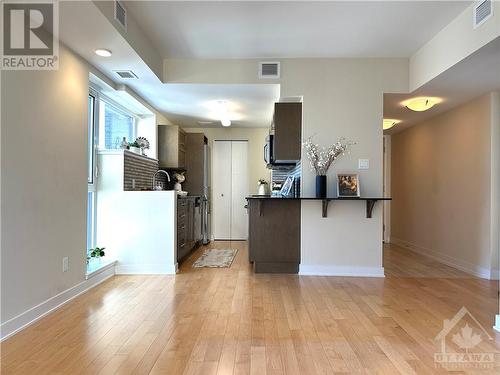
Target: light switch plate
x=363 y=163
x=65 y=264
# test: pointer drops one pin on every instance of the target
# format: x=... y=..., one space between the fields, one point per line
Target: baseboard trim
x=495 y=275
x=315 y=270
x=146 y=269
x=27 y=318
x=461 y=265
x=496 y=327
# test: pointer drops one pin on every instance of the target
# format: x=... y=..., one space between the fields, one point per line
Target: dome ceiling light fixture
x=389 y=123
x=103 y=52
x=421 y=104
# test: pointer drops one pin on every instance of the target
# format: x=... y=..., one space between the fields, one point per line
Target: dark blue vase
x=320 y=186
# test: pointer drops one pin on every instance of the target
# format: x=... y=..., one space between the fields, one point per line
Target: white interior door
x=221 y=185
x=239 y=190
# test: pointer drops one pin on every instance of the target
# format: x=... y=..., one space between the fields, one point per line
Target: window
x=117 y=125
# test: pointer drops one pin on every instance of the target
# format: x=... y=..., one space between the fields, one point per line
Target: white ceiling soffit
x=185 y=105
x=279 y=29
x=192 y=105
x=476 y=75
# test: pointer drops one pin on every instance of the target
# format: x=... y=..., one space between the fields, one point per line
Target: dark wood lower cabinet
x=186 y=238
x=274 y=235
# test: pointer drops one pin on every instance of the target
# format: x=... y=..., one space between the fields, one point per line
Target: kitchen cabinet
x=171 y=147
x=274 y=235
x=287 y=125
x=187 y=238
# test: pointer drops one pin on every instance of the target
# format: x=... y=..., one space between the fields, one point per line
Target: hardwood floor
x=231 y=321
x=401 y=262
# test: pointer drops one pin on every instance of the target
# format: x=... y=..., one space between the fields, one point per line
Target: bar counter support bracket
x=325 y=207
x=370 y=203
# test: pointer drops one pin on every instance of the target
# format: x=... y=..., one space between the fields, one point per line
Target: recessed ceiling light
x=421 y=104
x=103 y=52
x=389 y=123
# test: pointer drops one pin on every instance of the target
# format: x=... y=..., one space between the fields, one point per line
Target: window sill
x=94 y=269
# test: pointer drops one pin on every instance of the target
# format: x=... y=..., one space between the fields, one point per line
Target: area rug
x=216 y=258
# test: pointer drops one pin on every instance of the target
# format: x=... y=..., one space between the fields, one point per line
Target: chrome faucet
x=154 y=178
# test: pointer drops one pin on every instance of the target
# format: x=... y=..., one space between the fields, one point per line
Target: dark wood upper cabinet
x=287 y=132
x=194 y=163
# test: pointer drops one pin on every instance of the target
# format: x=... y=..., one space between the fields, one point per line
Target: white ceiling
x=183 y=104
x=474 y=76
x=248 y=105
x=250 y=29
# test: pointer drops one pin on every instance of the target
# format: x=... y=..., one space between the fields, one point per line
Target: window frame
x=92 y=185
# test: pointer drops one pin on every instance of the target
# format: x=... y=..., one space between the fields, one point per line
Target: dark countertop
x=261 y=197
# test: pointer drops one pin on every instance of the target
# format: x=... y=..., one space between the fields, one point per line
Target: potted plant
x=262 y=187
x=134 y=147
x=96 y=253
x=322 y=158
x=143 y=144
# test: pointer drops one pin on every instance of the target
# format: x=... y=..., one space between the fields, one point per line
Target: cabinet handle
x=183 y=215
x=182 y=245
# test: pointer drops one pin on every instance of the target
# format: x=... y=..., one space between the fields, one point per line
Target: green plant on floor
x=97 y=252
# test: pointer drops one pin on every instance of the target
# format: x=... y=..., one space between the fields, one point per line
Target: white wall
x=344 y=98
x=44 y=182
x=451 y=45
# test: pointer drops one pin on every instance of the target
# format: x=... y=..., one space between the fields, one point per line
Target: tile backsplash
x=138 y=172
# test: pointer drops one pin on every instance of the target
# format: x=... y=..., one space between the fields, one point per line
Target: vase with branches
x=322 y=158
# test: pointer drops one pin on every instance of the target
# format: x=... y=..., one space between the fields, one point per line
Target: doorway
x=230 y=188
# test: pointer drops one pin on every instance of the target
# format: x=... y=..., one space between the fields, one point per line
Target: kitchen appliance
x=269 y=155
x=205 y=198
x=268 y=150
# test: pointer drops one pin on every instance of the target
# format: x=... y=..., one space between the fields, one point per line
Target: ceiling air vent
x=269 y=70
x=121 y=14
x=483 y=10
x=127 y=74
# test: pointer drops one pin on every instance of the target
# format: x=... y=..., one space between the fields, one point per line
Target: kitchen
x=168 y=198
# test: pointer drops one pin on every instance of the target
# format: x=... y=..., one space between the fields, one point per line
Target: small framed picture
x=348 y=185
x=287 y=186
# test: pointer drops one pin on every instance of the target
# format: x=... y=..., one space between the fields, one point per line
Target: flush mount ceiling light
x=103 y=52
x=421 y=104
x=389 y=123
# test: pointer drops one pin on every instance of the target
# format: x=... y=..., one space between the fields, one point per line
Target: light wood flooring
x=231 y=321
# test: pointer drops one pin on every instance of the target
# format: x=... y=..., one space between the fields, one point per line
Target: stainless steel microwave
x=268 y=150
